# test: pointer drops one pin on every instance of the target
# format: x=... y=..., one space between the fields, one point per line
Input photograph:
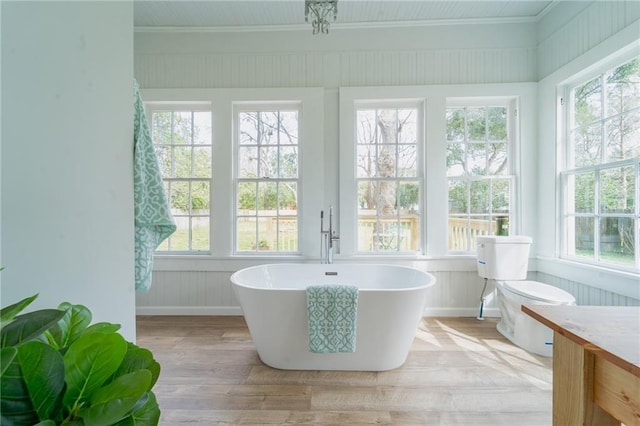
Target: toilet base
x=532 y=337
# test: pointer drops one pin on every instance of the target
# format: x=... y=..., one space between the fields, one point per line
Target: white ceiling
x=267 y=14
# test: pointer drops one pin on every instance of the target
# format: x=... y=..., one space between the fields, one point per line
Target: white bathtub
x=391 y=302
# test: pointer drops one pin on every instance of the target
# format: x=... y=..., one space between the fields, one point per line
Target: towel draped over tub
x=332 y=313
x=153 y=219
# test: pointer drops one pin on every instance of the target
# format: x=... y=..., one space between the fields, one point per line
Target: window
x=182 y=139
x=480 y=183
x=602 y=160
x=266 y=178
x=388 y=178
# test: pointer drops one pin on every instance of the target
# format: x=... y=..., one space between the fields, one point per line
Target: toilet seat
x=539 y=292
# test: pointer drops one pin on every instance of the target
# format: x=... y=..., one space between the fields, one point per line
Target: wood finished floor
x=460 y=371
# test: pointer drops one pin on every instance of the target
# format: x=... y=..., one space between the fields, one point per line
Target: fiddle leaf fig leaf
x=28 y=326
x=17 y=408
x=71 y=326
x=138 y=358
x=43 y=372
x=102 y=327
x=89 y=362
x=8 y=313
x=114 y=401
x=6 y=356
x=147 y=414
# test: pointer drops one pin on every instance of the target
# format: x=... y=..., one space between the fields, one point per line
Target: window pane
x=288 y=234
x=458 y=196
x=202 y=162
x=623 y=88
x=179 y=197
x=181 y=162
x=458 y=233
x=163 y=155
x=182 y=127
x=246 y=231
x=202 y=128
x=497 y=159
x=200 y=233
x=366 y=126
x=497 y=123
x=288 y=162
x=455 y=124
x=455 y=159
x=479 y=196
x=268 y=128
x=179 y=240
x=200 y=197
x=476 y=130
x=588 y=102
x=584 y=236
x=623 y=136
x=409 y=197
x=246 y=198
x=407 y=160
x=248 y=127
x=248 y=162
x=500 y=196
x=617 y=190
x=288 y=127
x=407 y=127
x=386 y=164
x=161 y=127
x=268 y=165
x=387 y=126
x=386 y=198
x=267 y=198
x=477 y=159
x=367 y=196
x=288 y=198
x=617 y=240
x=587 y=145
x=584 y=192
x=366 y=161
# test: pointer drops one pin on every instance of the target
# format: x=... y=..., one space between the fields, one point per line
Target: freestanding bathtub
x=391 y=302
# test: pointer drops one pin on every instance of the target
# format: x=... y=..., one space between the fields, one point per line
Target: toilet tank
x=503 y=258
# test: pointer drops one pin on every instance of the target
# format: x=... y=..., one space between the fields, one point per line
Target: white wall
x=67 y=178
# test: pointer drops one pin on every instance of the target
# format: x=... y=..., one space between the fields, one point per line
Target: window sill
x=615 y=281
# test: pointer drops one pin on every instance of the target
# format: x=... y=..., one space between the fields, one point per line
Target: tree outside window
x=602 y=156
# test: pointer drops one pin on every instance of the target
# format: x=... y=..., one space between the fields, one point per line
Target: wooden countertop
x=612 y=332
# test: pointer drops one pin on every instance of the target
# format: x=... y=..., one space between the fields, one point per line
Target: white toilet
x=505 y=260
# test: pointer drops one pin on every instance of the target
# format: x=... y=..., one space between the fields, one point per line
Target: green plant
x=57 y=369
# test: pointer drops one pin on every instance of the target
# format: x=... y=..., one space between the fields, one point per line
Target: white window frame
x=434 y=151
x=222 y=193
x=238 y=108
x=566 y=235
x=511 y=104
x=153 y=107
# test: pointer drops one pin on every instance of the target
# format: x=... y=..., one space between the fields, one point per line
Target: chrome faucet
x=327 y=238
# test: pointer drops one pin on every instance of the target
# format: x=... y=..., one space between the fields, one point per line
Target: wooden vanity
x=596 y=363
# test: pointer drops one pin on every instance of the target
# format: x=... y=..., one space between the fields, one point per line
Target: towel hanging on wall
x=153 y=219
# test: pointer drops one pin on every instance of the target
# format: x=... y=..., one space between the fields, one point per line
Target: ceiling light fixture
x=320 y=10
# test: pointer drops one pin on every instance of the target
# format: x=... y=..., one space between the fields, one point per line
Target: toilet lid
x=539 y=291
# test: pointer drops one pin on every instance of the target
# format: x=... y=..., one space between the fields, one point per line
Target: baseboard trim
x=189 y=310
x=236 y=310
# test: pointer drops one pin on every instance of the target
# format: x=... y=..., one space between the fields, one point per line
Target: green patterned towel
x=153 y=219
x=332 y=313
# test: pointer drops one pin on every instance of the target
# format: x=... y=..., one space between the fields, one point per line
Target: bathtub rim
x=431 y=278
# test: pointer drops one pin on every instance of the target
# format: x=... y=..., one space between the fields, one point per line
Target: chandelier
x=320 y=11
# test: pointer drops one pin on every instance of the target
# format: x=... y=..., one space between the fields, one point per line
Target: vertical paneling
x=456 y=293
x=371 y=68
x=590 y=27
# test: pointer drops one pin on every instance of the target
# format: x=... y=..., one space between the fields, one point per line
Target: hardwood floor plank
x=459 y=371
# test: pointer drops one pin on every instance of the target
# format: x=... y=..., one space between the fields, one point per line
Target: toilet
x=504 y=259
